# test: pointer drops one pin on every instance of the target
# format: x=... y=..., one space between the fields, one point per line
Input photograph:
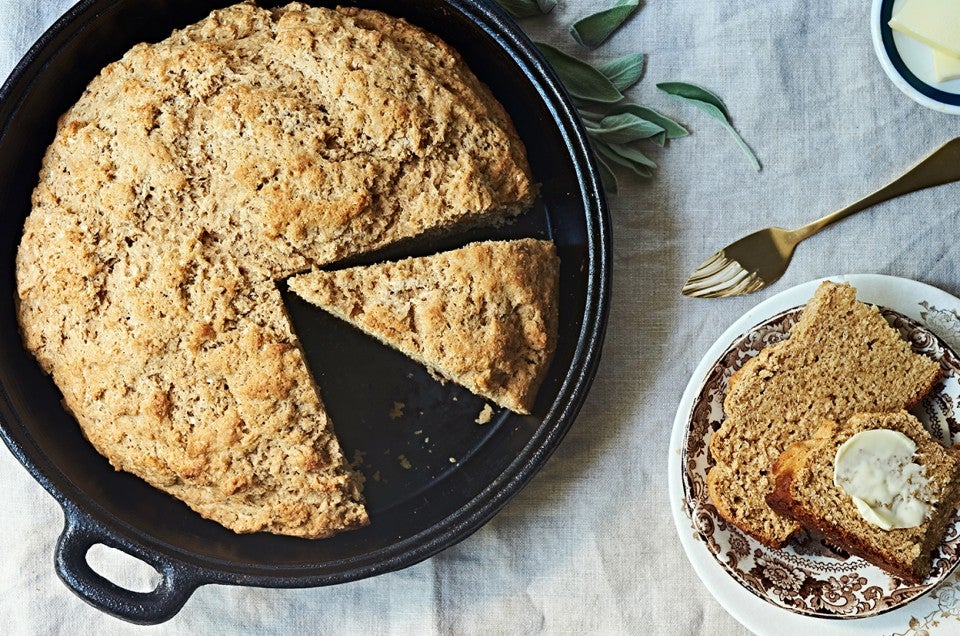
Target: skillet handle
x=80 y=533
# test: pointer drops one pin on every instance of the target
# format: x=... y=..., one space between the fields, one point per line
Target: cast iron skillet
x=458 y=474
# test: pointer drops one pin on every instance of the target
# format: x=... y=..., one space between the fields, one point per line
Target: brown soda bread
x=192 y=174
x=841 y=358
x=483 y=316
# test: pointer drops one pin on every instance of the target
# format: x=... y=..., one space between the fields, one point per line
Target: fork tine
x=720 y=276
x=744 y=283
x=741 y=283
x=710 y=267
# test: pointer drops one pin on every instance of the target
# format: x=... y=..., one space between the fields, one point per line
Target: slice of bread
x=841 y=358
x=804 y=490
x=483 y=316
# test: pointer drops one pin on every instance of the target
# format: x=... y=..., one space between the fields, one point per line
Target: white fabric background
x=590 y=546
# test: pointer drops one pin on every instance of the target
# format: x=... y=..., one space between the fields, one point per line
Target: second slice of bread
x=804 y=490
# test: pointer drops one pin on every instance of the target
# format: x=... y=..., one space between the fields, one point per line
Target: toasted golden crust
x=841 y=358
x=483 y=316
x=196 y=171
x=804 y=490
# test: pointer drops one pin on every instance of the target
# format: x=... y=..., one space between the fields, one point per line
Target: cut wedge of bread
x=483 y=316
x=841 y=358
x=804 y=490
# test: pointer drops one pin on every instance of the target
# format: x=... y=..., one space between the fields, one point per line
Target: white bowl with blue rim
x=909 y=63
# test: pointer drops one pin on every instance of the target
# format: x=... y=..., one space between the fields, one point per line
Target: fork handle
x=939 y=167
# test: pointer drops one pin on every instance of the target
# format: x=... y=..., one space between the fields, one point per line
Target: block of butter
x=945 y=66
x=933 y=22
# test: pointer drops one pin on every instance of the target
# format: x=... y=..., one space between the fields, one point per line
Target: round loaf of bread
x=191 y=175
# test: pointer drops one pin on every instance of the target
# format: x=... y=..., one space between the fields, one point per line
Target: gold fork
x=759 y=259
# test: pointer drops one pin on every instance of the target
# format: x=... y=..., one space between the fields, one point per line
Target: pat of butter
x=876 y=469
x=933 y=22
x=945 y=66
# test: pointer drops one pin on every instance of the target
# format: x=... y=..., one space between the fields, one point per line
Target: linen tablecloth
x=590 y=545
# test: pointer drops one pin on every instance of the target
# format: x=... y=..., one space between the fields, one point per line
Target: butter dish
x=914 y=66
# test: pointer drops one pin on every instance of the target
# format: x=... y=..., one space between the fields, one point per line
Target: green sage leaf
x=589 y=117
x=593 y=30
x=607 y=176
x=713 y=106
x=527 y=8
x=623 y=72
x=673 y=129
x=624 y=128
x=634 y=155
x=580 y=79
x=694 y=93
x=616 y=158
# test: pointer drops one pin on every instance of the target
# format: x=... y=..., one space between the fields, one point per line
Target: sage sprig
x=713 y=106
x=527 y=8
x=593 y=30
x=614 y=125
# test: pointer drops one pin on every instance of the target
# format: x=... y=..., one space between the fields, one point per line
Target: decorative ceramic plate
x=809 y=580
